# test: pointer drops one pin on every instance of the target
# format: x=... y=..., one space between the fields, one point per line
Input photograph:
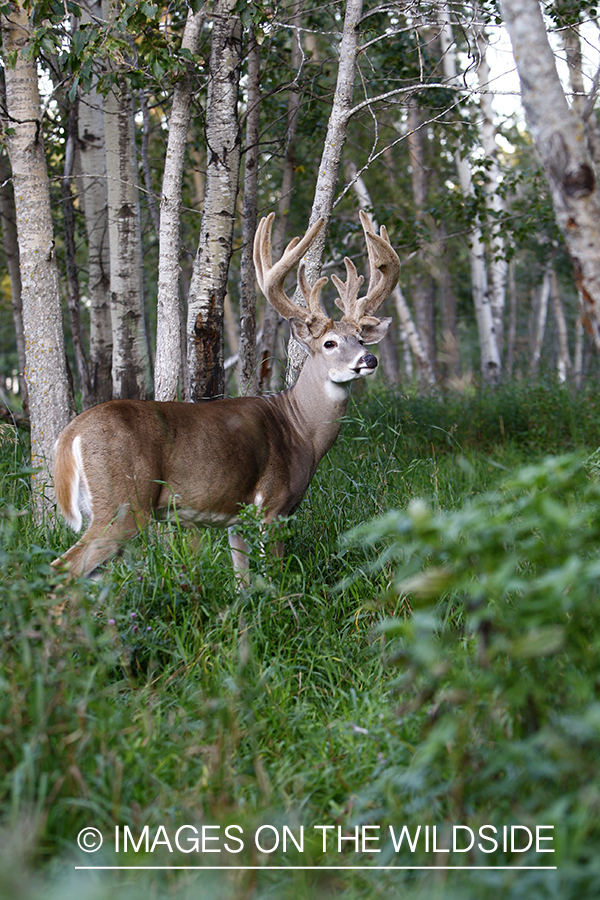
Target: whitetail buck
x=123 y=461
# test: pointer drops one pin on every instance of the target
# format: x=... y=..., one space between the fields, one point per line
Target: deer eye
x=329 y=345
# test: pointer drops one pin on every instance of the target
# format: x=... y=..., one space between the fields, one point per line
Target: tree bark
x=130 y=362
x=209 y=278
x=46 y=373
x=330 y=162
x=541 y=314
x=272 y=319
x=247 y=374
x=563 y=366
x=498 y=265
x=131 y=375
x=10 y=244
x=421 y=294
x=168 y=372
x=560 y=139
x=490 y=356
x=95 y=209
x=73 y=292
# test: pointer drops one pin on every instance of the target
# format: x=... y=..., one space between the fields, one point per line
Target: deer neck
x=316 y=406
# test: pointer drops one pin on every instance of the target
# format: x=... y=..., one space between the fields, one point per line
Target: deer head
x=310 y=325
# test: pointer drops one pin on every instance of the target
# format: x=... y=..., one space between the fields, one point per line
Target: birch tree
x=498 y=266
x=266 y=346
x=169 y=351
x=10 y=244
x=247 y=373
x=46 y=374
x=211 y=265
x=490 y=356
x=130 y=359
x=337 y=127
x=94 y=200
x=559 y=135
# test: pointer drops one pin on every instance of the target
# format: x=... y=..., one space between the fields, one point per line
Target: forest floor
x=408 y=705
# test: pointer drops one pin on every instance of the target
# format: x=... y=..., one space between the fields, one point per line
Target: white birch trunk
x=268 y=340
x=92 y=154
x=168 y=365
x=563 y=364
x=10 y=244
x=540 y=323
x=498 y=266
x=247 y=374
x=330 y=162
x=422 y=295
x=130 y=360
x=560 y=138
x=490 y=356
x=211 y=265
x=512 y=321
x=42 y=320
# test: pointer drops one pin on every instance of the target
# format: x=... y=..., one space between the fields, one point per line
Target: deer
x=123 y=462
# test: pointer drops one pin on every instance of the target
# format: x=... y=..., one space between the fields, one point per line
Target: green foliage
x=499 y=669
x=441 y=669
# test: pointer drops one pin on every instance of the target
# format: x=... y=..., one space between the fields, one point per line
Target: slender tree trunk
x=490 y=356
x=578 y=356
x=131 y=374
x=168 y=372
x=73 y=293
x=512 y=321
x=540 y=323
x=93 y=198
x=46 y=373
x=10 y=244
x=130 y=363
x=421 y=295
x=145 y=159
x=560 y=138
x=330 y=161
x=272 y=319
x=247 y=374
x=564 y=366
x=209 y=279
x=498 y=265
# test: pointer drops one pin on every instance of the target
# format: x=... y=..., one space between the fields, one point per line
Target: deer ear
x=301 y=332
x=372 y=334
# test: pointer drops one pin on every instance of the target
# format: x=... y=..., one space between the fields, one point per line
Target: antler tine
x=348 y=291
x=271 y=276
x=317 y=320
x=384 y=265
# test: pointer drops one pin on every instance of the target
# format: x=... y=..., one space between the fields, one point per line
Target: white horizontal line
x=313 y=868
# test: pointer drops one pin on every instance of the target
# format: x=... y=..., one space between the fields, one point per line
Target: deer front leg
x=239 y=556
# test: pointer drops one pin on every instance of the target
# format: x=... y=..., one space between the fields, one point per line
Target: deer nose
x=368 y=361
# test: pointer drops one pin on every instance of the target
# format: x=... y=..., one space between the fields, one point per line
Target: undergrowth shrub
x=440 y=667
x=498 y=675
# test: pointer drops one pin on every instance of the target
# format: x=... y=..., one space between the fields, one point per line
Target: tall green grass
x=165 y=695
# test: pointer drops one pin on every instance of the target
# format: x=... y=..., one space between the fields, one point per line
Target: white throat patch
x=337 y=391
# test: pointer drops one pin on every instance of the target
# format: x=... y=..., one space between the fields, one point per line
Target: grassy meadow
x=427 y=657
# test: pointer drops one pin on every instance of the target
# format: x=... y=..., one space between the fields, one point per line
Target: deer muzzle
x=368 y=361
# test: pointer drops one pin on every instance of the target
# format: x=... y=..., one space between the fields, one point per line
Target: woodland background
x=423 y=138
x=428 y=652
